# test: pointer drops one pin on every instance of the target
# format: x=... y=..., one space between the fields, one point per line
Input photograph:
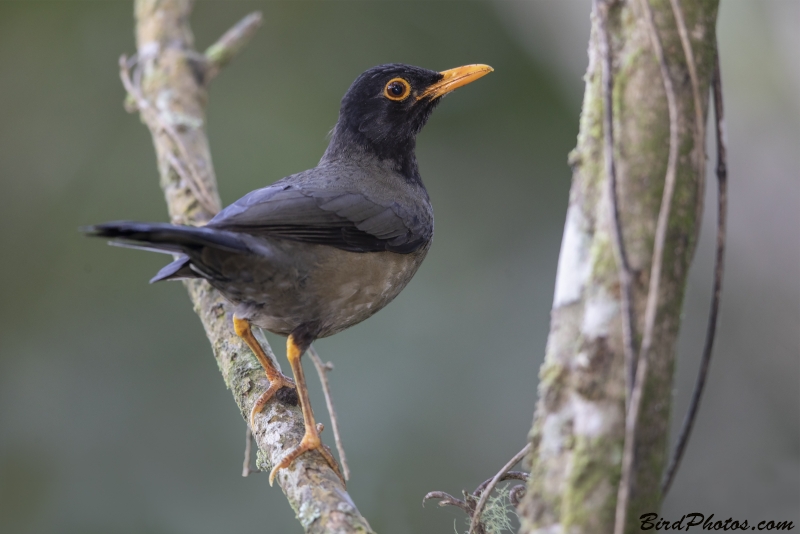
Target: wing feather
x=342 y=219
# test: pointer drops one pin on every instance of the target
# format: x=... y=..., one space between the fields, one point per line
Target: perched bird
x=321 y=250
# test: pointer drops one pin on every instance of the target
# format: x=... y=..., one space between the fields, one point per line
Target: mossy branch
x=166 y=83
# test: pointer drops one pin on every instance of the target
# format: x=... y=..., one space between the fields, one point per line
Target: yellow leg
x=310 y=439
x=277 y=380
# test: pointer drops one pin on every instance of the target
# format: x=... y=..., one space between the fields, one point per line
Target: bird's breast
x=301 y=284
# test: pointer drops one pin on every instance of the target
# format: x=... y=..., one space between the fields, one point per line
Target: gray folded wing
x=342 y=219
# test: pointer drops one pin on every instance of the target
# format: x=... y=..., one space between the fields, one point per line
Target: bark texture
x=579 y=424
x=169 y=90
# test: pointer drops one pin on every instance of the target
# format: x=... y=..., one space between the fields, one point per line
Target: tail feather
x=131 y=244
x=185 y=241
x=166 y=237
x=178 y=269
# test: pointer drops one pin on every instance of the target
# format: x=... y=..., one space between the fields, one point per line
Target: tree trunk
x=578 y=431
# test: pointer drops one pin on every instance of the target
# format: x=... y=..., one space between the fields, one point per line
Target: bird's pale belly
x=322 y=288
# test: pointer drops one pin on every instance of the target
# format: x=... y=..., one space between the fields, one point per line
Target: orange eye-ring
x=397 y=89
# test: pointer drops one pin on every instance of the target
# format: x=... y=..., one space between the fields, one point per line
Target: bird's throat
x=396 y=155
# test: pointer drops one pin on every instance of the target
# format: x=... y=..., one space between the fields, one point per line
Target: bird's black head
x=387 y=106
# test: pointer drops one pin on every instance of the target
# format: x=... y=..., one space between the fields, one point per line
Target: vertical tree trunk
x=579 y=425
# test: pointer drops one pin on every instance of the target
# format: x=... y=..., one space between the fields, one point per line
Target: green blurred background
x=113 y=416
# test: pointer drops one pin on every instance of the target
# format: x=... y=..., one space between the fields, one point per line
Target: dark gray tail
x=170 y=239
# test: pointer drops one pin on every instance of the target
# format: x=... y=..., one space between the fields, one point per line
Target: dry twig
x=322 y=371
x=488 y=488
x=157 y=124
x=230 y=44
x=474 y=503
x=248 y=451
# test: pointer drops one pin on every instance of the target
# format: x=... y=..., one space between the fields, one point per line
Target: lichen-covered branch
x=579 y=424
x=168 y=88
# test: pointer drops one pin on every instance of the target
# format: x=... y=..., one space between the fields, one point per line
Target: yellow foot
x=309 y=442
x=276 y=382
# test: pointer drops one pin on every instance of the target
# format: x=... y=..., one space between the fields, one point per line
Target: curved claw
x=275 y=383
x=309 y=442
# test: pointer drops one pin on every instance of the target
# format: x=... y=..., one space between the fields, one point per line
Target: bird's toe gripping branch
x=277 y=380
x=311 y=439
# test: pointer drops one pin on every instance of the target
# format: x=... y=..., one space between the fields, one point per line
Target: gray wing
x=342 y=219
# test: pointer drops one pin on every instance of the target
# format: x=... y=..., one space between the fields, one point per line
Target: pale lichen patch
x=573 y=269
x=598 y=314
x=592 y=418
x=308 y=513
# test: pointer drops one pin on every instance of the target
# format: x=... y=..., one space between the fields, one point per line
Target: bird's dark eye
x=397 y=89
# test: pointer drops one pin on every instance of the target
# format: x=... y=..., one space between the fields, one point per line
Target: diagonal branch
x=168 y=89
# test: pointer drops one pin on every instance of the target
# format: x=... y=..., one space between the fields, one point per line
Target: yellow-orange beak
x=455 y=78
